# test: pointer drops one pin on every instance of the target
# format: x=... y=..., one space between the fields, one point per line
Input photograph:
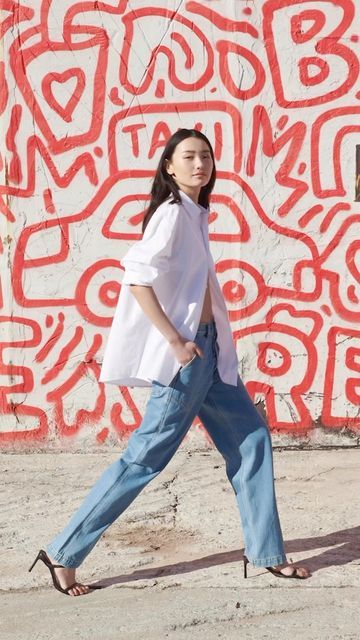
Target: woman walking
x=171 y=332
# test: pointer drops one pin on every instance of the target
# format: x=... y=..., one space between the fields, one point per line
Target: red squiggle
x=15 y=173
x=80 y=8
x=222 y=22
x=48 y=201
x=189 y=61
x=57 y=396
x=129 y=20
x=340 y=206
x=310 y=214
x=52 y=340
x=122 y=427
x=5 y=210
x=84 y=161
x=18 y=13
x=4 y=90
x=316 y=319
x=63 y=356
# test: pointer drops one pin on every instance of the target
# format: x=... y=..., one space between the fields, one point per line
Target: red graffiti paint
x=324 y=50
x=87 y=105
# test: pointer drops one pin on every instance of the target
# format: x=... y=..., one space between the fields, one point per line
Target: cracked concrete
x=171 y=566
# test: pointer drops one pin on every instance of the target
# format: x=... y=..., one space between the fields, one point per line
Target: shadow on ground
x=345 y=543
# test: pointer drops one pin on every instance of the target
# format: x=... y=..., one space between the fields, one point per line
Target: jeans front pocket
x=188 y=363
x=178 y=390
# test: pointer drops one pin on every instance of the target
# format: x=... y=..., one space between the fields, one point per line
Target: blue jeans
x=238 y=432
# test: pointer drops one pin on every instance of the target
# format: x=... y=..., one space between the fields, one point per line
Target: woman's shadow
x=345 y=547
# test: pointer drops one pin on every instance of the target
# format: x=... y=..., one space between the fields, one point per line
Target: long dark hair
x=164 y=185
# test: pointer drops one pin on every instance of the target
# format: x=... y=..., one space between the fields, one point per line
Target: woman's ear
x=167 y=166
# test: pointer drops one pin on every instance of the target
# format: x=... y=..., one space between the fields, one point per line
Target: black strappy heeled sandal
x=276 y=572
x=47 y=562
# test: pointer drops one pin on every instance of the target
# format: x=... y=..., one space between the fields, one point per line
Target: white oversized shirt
x=174 y=258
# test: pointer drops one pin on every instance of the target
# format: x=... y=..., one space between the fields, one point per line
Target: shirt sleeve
x=148 y=258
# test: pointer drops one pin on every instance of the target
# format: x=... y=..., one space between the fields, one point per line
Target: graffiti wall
x=89 y=93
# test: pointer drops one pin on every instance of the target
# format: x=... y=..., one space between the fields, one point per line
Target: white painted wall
x=88 y=99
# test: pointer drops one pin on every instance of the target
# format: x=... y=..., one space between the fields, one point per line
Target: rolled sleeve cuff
x=144 y=275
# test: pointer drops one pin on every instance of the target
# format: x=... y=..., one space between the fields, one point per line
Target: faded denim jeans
x=237 y=430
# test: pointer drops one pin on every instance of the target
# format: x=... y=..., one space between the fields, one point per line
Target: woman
x=171 y=332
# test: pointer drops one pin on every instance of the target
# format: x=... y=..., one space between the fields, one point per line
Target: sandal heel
x=38 y=557
x=246 y=562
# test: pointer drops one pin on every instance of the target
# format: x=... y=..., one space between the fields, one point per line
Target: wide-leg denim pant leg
x=169 y=414
x=237 y=431
x=242 y=437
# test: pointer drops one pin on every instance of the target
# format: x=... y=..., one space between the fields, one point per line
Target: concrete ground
x=171 y=566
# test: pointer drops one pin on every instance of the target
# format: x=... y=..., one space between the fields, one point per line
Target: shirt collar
x=191 y=206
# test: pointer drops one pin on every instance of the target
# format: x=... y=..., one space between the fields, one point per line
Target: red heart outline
x=64 y=111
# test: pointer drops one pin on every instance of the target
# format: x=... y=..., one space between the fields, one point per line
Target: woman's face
x=191 y=166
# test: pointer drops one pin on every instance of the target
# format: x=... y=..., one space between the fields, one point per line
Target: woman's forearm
x=184 y=350
x=147 y=299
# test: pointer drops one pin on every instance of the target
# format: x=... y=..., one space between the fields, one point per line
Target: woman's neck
x=193 y=194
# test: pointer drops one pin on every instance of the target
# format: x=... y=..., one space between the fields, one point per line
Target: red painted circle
x=109 y=293
x=268 y=369
x=234 y=291
x=106 y=293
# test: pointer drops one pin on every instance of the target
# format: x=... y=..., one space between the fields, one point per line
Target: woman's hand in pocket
x=185 y=351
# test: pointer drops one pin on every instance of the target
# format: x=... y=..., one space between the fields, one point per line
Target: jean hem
x=61 y=558
x=271 y=561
